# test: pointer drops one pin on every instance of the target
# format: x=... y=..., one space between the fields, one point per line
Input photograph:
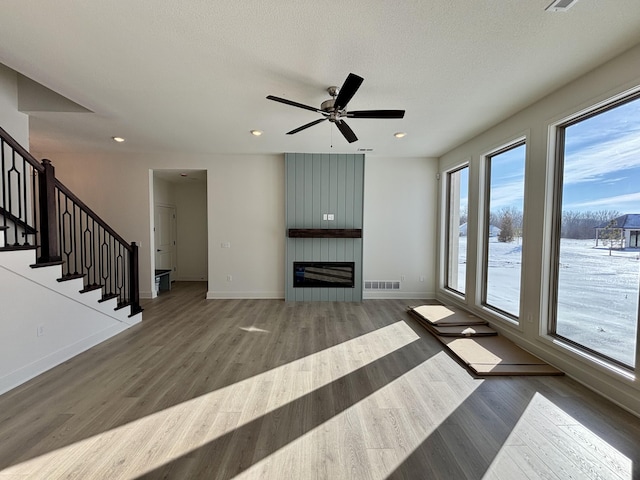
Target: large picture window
x=597 y=256
x=503 y=229
x=456 y=232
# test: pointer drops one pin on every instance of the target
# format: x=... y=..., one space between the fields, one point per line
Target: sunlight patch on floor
x=543 y=430
x=400 y=416
x=147 y=443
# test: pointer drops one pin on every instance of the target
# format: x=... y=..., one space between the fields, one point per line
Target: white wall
x=610 y=79
x=400 y=206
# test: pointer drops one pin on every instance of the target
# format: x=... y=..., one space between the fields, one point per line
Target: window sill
x=592 y=359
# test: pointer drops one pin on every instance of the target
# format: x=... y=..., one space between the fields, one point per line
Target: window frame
x=558 y=137
x=486 y=209
x=447 y=231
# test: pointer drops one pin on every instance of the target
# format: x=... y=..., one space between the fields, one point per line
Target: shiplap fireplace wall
x=324 y=192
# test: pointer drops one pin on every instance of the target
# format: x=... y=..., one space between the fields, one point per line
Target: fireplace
x=323 y=274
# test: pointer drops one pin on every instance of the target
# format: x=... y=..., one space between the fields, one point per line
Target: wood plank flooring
x=265 y=389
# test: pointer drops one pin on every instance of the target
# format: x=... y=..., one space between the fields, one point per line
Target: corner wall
x=12 y=121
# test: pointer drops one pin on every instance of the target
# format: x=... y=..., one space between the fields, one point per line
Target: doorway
x=179 y=233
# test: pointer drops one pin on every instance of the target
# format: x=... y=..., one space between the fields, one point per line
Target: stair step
x=90 y=288
x=11 y=248
x=46 y=264
x=70 y=276
x=109 y=296
x=122 y=305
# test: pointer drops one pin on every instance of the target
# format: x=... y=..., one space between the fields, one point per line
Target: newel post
x=134 y=278
x=49 y=244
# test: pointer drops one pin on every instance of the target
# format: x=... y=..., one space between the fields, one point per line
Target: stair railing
x=36 y=209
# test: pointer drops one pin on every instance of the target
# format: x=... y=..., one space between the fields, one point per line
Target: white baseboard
x=26 y=373
x=245 y=295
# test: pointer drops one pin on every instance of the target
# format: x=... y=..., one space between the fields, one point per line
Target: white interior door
x=165 y=238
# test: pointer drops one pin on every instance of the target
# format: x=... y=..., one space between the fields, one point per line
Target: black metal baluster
x=74 y=247
x=120 y=274
x=67 y=246
x=4 y=192
x=10 y=210
x=104 y=257
x=60 y=239
x=24 y=197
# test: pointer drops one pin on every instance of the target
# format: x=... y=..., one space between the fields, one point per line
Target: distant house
x=493 y=230
x=630 y=226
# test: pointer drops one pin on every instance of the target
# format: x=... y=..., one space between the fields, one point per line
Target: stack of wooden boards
x=477 y=345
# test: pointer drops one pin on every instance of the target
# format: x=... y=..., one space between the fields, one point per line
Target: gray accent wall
x=319 y=184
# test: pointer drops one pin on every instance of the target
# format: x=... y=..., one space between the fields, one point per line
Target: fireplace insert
x=323 y=274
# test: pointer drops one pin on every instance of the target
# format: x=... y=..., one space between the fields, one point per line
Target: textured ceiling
x=192 y=76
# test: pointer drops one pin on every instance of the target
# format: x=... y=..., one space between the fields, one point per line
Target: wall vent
x=561 y=5
x=381 y=285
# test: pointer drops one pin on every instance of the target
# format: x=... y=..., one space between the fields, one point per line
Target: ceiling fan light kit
x=335 y=109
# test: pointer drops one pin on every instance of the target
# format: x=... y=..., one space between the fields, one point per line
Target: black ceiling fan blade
x=311 y=124
x=293 y=104
x=348 y=90
x=346 y=131
x=376 y=114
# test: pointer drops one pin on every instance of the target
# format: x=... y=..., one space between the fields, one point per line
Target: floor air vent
x=381 y=285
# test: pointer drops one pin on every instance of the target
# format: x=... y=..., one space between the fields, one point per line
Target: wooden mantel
x=325 y=233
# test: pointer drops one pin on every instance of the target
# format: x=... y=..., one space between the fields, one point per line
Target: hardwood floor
x=265 y=389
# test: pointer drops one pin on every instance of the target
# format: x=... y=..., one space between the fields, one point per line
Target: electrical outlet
x=40 y=330
x=402 y=278
x=422 y=278
x=229 y=278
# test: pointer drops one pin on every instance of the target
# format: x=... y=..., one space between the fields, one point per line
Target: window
x=503 y=229
x=456 y=231
x=597 y=264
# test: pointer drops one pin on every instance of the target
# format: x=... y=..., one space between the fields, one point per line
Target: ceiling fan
x=335 y=109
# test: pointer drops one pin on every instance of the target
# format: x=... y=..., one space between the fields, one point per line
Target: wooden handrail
x=8 y=139
x=18 y=221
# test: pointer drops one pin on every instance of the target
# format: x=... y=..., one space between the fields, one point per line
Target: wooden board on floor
x=463 y=330
x=441 y=315
x=496 y=356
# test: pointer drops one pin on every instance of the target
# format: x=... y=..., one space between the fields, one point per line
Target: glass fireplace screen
x=323 y=274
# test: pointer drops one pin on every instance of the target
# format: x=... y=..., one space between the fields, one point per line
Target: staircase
x=67 y=280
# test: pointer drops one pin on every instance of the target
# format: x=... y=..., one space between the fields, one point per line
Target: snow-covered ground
x=598 y=294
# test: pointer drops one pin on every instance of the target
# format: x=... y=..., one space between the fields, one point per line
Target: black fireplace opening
x=324 y=274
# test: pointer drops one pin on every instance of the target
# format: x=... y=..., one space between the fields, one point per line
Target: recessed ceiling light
x=399 y=134
x=256 y=133
x=118 y=139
